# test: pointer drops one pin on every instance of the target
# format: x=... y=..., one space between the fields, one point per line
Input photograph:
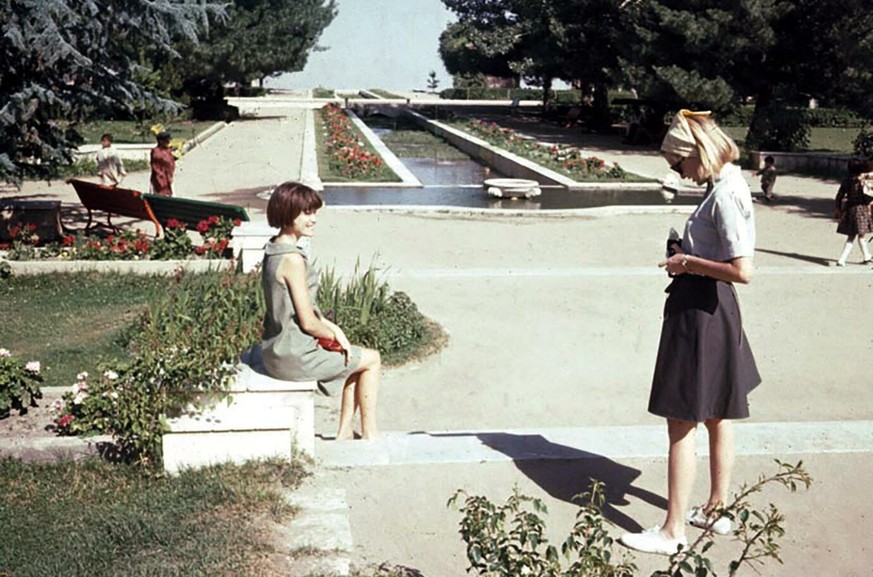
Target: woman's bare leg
x=681 y=469
x=721 y=461
x=347 y=409
x=367 y=392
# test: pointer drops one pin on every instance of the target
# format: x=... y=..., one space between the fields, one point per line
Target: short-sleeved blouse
x=722 y=227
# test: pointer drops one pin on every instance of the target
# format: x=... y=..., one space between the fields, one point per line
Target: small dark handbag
x=330 y=345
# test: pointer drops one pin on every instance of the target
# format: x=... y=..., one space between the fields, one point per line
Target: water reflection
x=459 y=183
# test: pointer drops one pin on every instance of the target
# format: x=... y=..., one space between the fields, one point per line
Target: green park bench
x=120 y=201
x=192 y=211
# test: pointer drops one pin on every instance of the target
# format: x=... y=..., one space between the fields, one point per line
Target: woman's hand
x=676 y=264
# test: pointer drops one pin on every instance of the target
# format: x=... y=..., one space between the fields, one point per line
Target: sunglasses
x=677 y=167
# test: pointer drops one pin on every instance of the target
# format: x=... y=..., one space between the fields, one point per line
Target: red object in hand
x=330 y=345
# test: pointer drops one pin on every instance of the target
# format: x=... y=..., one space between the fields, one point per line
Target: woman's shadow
x=564 y=472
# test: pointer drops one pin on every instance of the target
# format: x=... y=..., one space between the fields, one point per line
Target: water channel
x=457 y=182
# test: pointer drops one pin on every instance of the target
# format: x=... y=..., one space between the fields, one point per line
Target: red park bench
x=120 y=201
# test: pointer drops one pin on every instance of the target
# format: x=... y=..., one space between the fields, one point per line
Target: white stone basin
x=512 y=187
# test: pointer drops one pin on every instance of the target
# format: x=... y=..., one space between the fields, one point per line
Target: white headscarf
x=679 y=139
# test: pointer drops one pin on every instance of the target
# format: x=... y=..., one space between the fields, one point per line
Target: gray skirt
x=705 y=368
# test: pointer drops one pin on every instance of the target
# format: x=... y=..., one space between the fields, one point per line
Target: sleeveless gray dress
x=289 y=353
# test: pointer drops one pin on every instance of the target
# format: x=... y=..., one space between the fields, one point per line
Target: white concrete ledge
x=258 y=417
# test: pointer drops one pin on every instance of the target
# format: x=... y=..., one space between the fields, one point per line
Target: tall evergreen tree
x=62 y=60
x=260 y=38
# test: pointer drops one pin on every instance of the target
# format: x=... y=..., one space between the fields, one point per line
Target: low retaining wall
x=788 y=161
x=143 y=267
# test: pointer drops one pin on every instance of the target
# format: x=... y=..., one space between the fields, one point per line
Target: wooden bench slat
x=192 y=211
x=120 y=201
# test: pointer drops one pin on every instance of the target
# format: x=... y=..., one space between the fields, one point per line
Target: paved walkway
x=553 y=325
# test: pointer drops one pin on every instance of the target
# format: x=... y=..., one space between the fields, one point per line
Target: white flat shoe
x=652 y=541
x=697 y=518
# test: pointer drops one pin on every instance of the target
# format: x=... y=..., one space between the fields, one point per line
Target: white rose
x=82 y=376
x=32 y=366
x=111 y=375
x=5 y=353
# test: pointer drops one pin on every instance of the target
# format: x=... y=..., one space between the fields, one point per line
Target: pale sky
x=390 y=44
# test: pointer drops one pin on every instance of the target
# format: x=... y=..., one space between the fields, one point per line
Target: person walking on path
x=299 y=343
x=768 y=177
x=163 y=165
x=110 y=168
x=704 y=368
x=852 y=210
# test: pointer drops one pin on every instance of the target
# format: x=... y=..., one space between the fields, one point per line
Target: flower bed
x=347 y=154
x=567 y=160
x=175 y=244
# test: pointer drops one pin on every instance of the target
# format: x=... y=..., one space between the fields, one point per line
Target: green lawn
x=825 y=139
x=132 y=131
x=71 y=322
x=95 y=519
x=407 y=140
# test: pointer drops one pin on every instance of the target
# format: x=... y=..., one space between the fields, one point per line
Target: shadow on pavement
x=802 y=257
x=564 y=472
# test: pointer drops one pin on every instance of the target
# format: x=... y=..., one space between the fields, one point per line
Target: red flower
x=200 y=249
x=31 y=227
x=13 y=232
x=237 y=222
x=202 y=226
x=69 y=240
x=65 y=420
x=213 y=219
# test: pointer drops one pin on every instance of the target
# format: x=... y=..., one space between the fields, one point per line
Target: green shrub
x=185 y=344
x=372 y=315
x=509 y=540
x=863 y=145
x=833 y=117
x=323 y=92
x=779 y=128
x=19 y=384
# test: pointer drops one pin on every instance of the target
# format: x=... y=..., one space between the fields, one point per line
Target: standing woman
x=295 y=331
x=163 y=165
x=705 y=368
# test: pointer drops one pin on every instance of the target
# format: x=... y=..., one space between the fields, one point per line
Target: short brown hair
x=288 y=200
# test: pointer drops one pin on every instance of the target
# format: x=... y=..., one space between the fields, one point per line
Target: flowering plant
x=348 y=155
x=216 y=235
x=86 y=407
x=175 y=243
x=567 y=159
x=19 y=384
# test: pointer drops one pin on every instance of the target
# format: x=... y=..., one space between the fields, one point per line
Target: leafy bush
x=508 y=540
x=185 y=344
x=779 y=128
x=833 y=117
x=19 y=384
x=372 y=315
x=863 y=145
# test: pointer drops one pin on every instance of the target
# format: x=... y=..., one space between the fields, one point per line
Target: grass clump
x=94 y=519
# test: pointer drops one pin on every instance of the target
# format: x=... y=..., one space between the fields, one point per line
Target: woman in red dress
x=163 y=166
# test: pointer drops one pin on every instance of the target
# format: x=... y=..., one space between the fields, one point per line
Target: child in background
x=852 y=210
x=110 y=169
x=768 y=177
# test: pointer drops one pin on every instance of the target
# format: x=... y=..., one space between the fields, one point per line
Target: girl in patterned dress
x=852 y=209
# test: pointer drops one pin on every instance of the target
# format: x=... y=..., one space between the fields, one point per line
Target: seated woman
x=298 y=342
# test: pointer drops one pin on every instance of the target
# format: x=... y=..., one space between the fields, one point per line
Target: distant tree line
x=66 y=61
x=708 y=54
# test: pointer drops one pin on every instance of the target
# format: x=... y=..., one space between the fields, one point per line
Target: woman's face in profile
x=304 y=224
